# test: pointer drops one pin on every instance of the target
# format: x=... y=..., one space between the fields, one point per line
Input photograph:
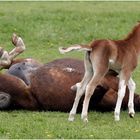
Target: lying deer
x=102 y=55
x=49 y=85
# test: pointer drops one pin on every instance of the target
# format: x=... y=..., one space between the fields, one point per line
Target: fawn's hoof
x=131 y=115
x=71 y=118
x=14 y=39
x=84 y=118
x=116 y=116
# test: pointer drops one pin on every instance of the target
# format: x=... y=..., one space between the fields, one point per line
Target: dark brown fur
x=18 y=91
x=50 y=89
x=53 y=88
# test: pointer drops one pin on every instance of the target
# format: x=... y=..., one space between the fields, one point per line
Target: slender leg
x=20 y=46
x=121 y=93
x=125 y=78
x=4 y=60
x=132 y=87
x=89 y=91
x=100 y=68
x=81 y=86
x=80 y=91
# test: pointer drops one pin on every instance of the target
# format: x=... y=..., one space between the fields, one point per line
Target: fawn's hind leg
x=81 y=86
x=100 y=68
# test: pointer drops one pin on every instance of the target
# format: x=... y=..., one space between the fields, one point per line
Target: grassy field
x=45 y=26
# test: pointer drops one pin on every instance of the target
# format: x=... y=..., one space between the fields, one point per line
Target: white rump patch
x=68 y=69
x=111 y=61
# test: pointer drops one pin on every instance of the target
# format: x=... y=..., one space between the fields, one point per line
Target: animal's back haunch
x=51 y=83
x=51 y=86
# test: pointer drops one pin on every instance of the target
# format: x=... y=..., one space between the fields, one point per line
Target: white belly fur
x=113 y=65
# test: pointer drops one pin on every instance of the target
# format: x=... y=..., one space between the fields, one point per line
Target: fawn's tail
x=75 y=47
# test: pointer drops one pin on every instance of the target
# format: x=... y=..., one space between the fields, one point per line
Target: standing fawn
x=102 y=55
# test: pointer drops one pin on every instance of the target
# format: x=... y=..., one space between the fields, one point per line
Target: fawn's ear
x=138 y=21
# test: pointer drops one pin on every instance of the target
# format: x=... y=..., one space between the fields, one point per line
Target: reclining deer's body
x=102 y=55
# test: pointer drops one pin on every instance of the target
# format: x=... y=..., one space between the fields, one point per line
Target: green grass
x=24 y=124
x=45 y=26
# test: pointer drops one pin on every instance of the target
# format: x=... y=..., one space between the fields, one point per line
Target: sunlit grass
x=25 y=124
x=45 y=26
